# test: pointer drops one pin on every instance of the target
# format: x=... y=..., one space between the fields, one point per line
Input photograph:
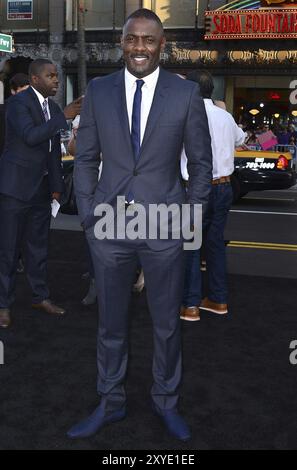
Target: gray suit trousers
x=115 y=263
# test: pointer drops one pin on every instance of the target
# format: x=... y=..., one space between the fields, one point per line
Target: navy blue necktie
x=136 y=113
x=135 y=128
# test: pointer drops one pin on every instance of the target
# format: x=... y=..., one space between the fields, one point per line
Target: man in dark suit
x=139 y=118
x=19 y=82
x=30 y=178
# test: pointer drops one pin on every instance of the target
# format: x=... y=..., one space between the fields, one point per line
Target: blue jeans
x=214 y=223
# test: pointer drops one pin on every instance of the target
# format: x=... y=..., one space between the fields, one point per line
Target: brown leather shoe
x=189 y=313
x=4 y=318
x=49 y=307
x=214 y=307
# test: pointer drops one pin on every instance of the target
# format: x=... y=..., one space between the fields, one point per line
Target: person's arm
x=87 y=160
x=72 y=145
x=19 y=118
x=239 y=134
x=183 y=165
x=198 y=150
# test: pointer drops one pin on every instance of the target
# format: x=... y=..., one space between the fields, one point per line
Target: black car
x=256 y=170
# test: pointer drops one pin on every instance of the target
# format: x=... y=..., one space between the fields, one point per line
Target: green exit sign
x=5 y=43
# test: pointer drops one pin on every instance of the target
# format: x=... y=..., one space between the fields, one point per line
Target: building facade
x=248 y=71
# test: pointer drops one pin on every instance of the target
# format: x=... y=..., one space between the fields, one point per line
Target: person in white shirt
x=225 y=136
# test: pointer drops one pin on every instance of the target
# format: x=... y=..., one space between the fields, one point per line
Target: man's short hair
x=37 y=65
x=145 y=13
x=19 y=80
x=204 y=80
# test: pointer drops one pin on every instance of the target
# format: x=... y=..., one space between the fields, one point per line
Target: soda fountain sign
x=251 y=24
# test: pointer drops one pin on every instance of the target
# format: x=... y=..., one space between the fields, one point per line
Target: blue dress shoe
x=174 y=423
x=91 y=425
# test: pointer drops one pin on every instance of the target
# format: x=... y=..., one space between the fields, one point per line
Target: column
x=56 y=31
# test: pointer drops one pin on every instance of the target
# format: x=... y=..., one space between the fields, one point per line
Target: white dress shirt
x=41 y=100
x=225 y=136
x=148 y=90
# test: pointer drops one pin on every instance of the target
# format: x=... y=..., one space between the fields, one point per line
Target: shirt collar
x=40 y=97
x=150 y=80
x=208 y=101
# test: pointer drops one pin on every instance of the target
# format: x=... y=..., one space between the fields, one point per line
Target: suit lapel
x=37 y=104
x=159 y=100
x=52 y=107
x=119 y=99
x=52 y=110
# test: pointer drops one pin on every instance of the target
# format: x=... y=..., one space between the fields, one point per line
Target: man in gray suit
x=139 y=119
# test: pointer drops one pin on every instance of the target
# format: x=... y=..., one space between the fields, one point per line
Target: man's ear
x=33 y=79
x=163 y=42
x=122 y=40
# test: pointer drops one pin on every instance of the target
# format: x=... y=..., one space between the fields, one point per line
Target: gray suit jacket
x=177 y=116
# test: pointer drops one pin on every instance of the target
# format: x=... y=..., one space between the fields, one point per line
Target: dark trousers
x=28 y=223
x=115 y=263
x=215 y=253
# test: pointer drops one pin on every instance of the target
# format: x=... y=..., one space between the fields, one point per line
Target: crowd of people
x=285 y=135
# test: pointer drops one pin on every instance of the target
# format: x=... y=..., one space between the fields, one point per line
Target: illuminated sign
x=251 y=24
x=278 y=3
x=20 y=10
x=274 y=96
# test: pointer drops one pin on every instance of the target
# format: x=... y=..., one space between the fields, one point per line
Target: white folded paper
x=55 y=207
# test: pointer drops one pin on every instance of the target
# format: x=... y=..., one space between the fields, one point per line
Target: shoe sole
x=40 y=308
x=189 y=319
x=184 y=439
x=223 y=312
x=110 y=421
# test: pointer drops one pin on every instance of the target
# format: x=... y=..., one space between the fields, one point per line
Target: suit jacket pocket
x=90 y=219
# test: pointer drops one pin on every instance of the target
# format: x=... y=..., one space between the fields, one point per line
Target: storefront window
x=24 y=16
x=174 y=13
x=100 y=14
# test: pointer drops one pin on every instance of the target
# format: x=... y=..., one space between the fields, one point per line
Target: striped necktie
x=46 y=117
x=45 y=111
